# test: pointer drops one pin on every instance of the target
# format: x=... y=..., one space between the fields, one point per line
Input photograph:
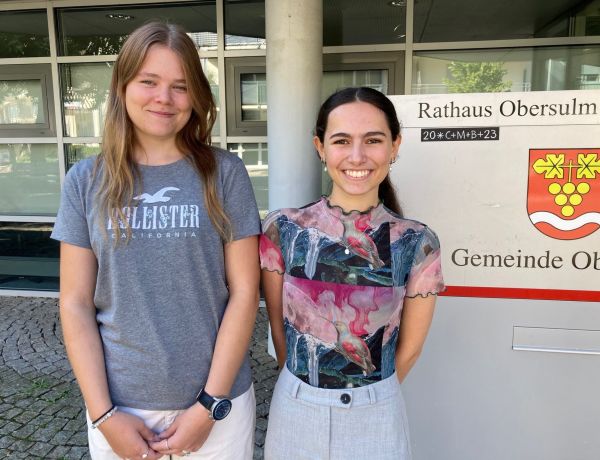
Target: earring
x=392 y=162
x=324 y=165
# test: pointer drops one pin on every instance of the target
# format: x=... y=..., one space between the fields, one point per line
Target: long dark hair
x=386 y=194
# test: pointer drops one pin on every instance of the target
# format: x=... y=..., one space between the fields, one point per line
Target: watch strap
x=205 y=399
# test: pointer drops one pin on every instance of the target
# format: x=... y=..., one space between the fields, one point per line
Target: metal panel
x=556 y=340
x=471 y=397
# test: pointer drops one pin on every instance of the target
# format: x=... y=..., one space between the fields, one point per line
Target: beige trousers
x=230 y=439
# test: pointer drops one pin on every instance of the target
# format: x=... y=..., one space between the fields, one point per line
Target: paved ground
x=41 y=411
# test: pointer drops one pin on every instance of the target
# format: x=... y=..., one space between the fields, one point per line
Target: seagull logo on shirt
x=158 y=197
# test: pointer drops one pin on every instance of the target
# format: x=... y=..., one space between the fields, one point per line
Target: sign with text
x=511 y=184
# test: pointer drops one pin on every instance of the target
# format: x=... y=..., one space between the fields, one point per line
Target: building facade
x=56 y=58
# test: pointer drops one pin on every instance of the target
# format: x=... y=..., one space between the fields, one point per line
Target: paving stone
x=21 y=445
x=12 y=413
x=44 y=434
x=40 y=449
x=259 y=437
x=25 y=416
x=79 y=439
x=262 y=410
x=52 y=409
x=61 y=438
x=9 y=428
x=261 y=424
x=258 y=453
x=70 y=412
x=74 y=425
x=77 y=452
x=5 y=442
x=59 y=452
x=24 y=432
x=41 y=409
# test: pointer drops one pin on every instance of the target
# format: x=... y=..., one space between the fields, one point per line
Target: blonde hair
x=120 y=173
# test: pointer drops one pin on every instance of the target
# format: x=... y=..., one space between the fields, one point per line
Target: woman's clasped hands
x=186 y=434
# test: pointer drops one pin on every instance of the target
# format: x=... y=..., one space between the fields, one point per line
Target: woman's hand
x=129 y=437
x=186 y=434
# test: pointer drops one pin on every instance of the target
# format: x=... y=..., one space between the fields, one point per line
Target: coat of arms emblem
x=563 y=192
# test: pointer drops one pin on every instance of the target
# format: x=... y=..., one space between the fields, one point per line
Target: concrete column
x=294 y=32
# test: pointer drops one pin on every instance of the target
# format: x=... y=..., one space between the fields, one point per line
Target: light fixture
x=119 y=16
x=397 y=3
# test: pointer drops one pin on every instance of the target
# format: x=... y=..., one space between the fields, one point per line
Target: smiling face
x=156 y=99
x=357 y=148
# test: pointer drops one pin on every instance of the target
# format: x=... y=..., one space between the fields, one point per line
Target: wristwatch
x=218 y=407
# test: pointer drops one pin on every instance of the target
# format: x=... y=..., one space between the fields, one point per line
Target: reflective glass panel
x=29 y=179
x=102 y=30
x=254 y=96
x=245 y=24
x=28 y=257
x=76 y=152
x=470 y=20
x=338 y=79
x=254 y=88
x=21 y=102
x=24 y=34
x=256 y=159
x=520 y=69
x=85 y=89
x=358 y=22
x=211 y=70
x=85 y=93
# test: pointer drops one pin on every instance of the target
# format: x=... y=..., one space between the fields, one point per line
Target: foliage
x=94 y=44
x=477 y=77
x=23 y=45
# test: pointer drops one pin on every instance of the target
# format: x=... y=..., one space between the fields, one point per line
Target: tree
x=477 y=77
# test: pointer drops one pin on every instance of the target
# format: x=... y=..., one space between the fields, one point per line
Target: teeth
x=357 y=174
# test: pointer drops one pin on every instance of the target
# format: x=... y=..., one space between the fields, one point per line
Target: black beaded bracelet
x=103 y=415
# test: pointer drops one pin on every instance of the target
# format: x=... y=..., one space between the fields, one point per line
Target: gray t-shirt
x=160 y=298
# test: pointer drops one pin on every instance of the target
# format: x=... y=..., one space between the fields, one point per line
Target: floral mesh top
x=345 y=279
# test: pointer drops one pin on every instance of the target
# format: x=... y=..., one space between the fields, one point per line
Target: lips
x=161 y=114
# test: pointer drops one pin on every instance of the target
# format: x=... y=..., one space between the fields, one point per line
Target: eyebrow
x=368 y=134
x=154 y=75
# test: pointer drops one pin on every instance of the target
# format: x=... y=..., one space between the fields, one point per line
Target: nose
x=163 y=94
x=357 y=154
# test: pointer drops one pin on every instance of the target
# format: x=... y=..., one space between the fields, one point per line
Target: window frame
x=43 y=74
x=392 y=62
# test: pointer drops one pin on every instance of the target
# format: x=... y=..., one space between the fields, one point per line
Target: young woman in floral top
x=350 y=287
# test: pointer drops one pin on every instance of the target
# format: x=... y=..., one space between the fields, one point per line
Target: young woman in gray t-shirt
x=159 y=266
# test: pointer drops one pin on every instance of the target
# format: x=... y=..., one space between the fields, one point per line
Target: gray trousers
x=309 y=423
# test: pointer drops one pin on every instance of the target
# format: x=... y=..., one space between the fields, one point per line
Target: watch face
x=222 y=409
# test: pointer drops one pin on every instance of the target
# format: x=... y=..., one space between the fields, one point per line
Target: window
x=29 y=179
x=520 y=69
x=24 y=34
x=359 y=22
x=26 y=108
x=256 y=158
x=85 y=94
x=245 y=24
x=247 y=97
x=247 y=86
x=468 y=20
x=103 y=30
x=28 y=257
x=76 y=152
